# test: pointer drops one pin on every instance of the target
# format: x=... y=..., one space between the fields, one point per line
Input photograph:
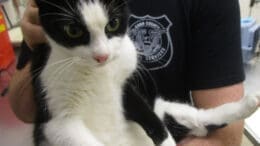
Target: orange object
x=6 y=50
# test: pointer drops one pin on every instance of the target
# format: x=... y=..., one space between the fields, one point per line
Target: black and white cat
x=80 y=75
x=81 y=84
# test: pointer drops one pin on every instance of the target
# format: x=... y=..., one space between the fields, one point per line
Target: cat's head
x=90 y=29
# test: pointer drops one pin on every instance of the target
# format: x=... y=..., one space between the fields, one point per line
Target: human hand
x=20 y=89
x=20 y=95
x=30 y=25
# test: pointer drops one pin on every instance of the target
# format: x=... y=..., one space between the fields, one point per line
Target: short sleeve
x=214 y=57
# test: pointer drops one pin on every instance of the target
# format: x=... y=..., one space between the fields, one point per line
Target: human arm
x=20 y=90
x=21 y=96
x=215 y=69
x=228 y=136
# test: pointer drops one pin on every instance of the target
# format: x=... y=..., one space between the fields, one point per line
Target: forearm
x=228 y=136
x=21 y=96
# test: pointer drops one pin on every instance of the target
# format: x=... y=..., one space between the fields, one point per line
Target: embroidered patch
x=152 y=40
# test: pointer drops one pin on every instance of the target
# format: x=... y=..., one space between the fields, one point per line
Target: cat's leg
x=199 y=122
x=69 y=131
x=169 y=141
x=137 y=110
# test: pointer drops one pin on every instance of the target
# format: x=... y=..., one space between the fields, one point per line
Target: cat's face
x=90 y=29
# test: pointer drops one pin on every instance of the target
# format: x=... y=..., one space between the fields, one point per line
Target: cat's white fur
x=84 y=96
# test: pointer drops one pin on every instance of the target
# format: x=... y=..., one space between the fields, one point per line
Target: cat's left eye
x=113 y=25
x=73 y=31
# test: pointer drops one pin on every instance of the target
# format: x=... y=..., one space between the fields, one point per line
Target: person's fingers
x=32 y=3
x=32 y=15
x=30 y=25
x=33 y=34
x=21 y=96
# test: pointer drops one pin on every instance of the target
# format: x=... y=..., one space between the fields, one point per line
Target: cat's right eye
x=73 y=31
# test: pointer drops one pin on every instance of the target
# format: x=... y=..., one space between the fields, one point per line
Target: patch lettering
x=152 y=39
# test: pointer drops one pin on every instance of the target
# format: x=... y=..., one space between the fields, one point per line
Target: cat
x=83 y=89
x=79 y=76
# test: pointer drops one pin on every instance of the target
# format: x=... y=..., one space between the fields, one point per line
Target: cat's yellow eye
x=113 y=25
x=73 y=31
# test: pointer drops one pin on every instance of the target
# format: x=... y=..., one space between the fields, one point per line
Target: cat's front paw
x=250 y=104
x=253 y=100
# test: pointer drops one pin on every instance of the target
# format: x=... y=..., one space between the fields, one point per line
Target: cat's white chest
x=96 y=99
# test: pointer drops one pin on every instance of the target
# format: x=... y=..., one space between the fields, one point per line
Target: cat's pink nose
x=101 y=58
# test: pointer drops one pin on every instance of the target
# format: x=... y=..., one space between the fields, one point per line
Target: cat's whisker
x=62 y=63
x=136 y=80
x=59 y=7
x=36 y=72
x=111 y=3
x=57 y=73
x=60 y=68
x=69 y=5
x=139 y=73
x=83 y=63
x=60 y=20
x=58 y=14
x=146 y=71
x=64 y=68
x=120 y=6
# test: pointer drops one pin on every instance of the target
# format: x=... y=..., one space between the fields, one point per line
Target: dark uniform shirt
x=186 y=45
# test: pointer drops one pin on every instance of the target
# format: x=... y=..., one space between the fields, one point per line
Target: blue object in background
x=249 y=37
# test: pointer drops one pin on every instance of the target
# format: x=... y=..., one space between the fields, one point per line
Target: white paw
x=250 y=104
x=254 y=100
x=169 y=142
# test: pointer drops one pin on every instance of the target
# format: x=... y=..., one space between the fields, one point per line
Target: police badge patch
x=152 y=39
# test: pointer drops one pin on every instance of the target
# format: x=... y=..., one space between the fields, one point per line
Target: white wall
x=244 y=6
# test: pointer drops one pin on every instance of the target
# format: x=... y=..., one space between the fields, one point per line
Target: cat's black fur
x=138 y=109
x=39 y=58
